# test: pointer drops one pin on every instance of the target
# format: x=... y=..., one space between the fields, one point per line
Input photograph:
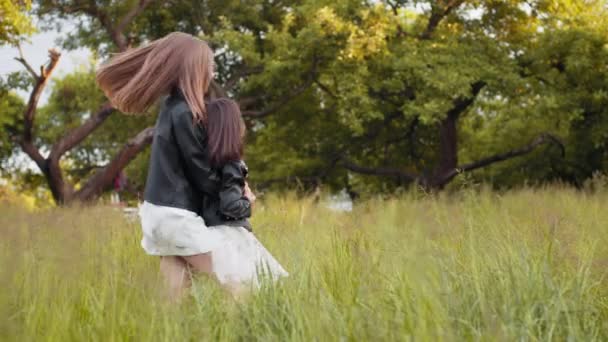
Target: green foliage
x=15 y=22
x=473 y=266
x=10 y=115
x=360 y=80
x=567 y=94
x=386 y=89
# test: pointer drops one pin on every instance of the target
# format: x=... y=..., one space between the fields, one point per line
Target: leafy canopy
x=15 y=22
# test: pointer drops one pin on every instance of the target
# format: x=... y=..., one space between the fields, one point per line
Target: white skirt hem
x=237 y=255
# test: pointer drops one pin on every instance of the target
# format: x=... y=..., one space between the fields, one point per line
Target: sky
x=36 y=53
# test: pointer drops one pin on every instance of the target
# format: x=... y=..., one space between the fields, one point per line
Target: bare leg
x=202 y=263
x=177 y=276
x=177 y=272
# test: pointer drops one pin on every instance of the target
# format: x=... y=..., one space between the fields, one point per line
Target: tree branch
x=238 y=74
x=285 y=99
x=325 y=88
x=540 y=140
x=21 y=59
x=380 y=171
x=103 y=178
x=33 y=152
x=105 y=22
x=133 y=12
x=280 y=103
x=78 y=134
x=117 y=33
x=26 y=141
x=438 y=12
x=41 y=82
x=462 y=104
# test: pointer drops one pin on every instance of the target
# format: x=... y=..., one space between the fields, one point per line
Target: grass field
x=526 y=265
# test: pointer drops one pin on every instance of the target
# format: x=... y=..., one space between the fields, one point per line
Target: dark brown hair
x=135 y=79
x=226 y=130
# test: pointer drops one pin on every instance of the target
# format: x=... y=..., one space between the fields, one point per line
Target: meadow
x=477 y=265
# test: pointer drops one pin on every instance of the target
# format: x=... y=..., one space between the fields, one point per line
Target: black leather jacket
x=180 y=174
x=229 y=206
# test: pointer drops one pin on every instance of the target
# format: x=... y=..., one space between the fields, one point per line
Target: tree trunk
x=60 y=190
x=448 y=154
x=104 y=177
x=447 y=164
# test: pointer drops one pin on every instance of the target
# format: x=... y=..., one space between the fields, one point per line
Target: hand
x=249 y=194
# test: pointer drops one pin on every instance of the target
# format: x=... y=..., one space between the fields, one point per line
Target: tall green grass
x=526 y=265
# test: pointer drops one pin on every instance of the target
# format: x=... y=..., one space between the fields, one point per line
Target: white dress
x=237 y=256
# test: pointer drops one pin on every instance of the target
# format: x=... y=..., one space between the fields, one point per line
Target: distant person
x=120 y=184
x=182 y=181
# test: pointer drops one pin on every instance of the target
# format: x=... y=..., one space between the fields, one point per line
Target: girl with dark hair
x=183 y=181
x=239 y=260
x=226 y=129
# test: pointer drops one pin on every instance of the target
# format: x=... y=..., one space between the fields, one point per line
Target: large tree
x=419 y=92
x=25 y=135
x=338 y=92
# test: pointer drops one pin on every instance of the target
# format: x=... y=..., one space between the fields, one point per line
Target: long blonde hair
x=135 y=79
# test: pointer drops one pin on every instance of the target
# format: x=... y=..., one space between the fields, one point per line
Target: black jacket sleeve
x=192 y=143
x=233 y=204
